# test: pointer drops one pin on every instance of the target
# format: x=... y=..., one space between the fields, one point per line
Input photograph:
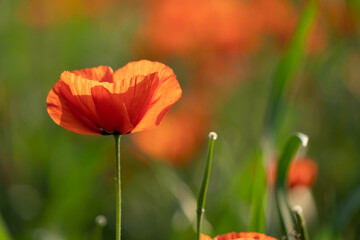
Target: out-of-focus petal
x=244 y=236
x=204 y=237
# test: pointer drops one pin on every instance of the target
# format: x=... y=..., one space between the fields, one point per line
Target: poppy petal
x=139 y=94
x=165 y=96
x=62 y=112
x=244 y=236
x=100 y=73
x=204 y=237
x=111 y=111
x=143 y=67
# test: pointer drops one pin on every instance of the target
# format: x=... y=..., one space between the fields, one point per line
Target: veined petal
x=111 y=110
x=144 y=67
x=165 y=96
x=65 y=113
x=139 y=96
x=100 y=73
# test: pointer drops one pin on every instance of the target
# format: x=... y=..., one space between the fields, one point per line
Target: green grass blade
x=204 y=185
x=288 y=65
x=285 y=70
x=300 y=222
x=257 y=221
x=288 y=222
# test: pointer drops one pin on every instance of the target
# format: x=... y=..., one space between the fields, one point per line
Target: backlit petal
x=65 y=111
x=139 y=96
x=144 y=67
x=100 y=73
x=111 y=110
x=165 y=96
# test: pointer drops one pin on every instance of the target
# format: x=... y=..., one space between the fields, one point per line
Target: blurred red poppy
x=239 y=236
x=302 y=172
x=173 y=27
x=97 y=101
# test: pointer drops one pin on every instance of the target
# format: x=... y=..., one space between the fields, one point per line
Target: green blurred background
x=53 y=183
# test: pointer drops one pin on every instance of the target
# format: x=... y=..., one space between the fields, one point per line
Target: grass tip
x=213 y=135
x=298 y=209
x=303 y=137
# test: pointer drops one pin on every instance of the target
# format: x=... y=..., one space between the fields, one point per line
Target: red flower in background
x=185 y=26
x=99 y=101
x=302 y=172
x=239 y=236
x=225 y=27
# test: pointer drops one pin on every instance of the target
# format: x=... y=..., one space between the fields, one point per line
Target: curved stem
x=118 y=187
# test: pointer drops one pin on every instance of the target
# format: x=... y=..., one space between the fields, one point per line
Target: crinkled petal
x=111 y=110
x=100 y=73
x=144 y=67
x=139 y=96
x=66 y=111
x=165 y=96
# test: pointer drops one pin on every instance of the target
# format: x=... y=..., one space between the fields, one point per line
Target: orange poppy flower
x=99 y=101
x=239 y=236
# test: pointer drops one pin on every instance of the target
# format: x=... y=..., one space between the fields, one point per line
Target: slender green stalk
x=300 y=221
x=287 y=219
x=204 y=185
x=258 y=195
x=100 y=222
x=118 y=187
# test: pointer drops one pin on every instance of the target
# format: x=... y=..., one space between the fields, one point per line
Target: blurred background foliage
x=53 y=183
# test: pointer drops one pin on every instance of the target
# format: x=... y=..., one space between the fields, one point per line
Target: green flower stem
x=300 y=221
x=118 y=187
x=204 y=185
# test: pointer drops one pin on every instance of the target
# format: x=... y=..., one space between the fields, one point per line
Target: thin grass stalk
x=204 y=185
